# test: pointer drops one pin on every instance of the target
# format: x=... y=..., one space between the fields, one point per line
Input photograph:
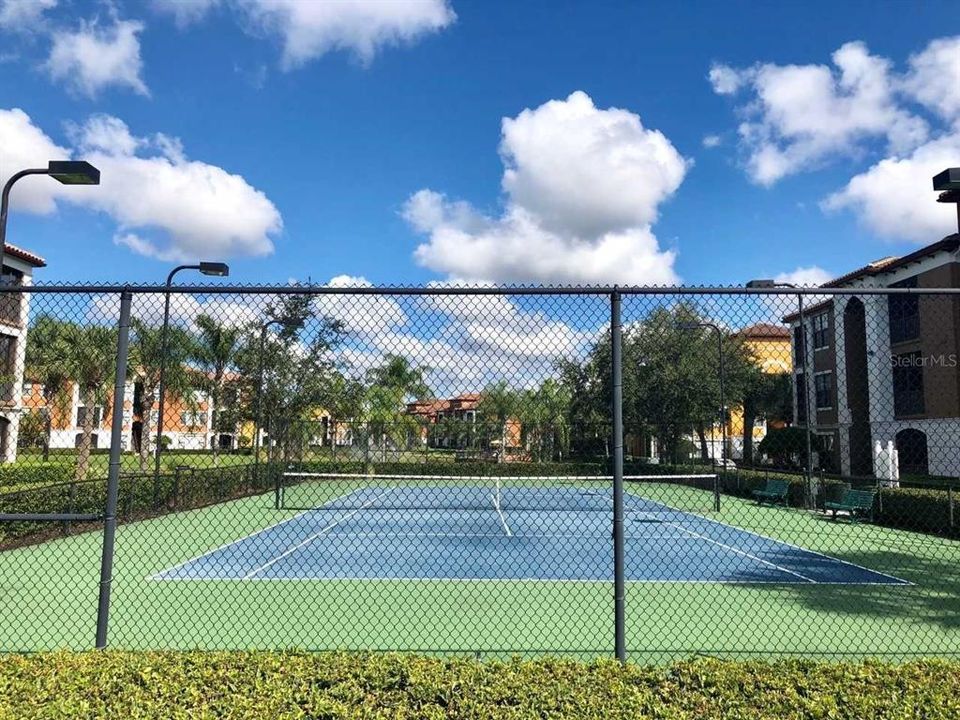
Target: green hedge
x=16 y=474
x=196 y=685
x=139 y=496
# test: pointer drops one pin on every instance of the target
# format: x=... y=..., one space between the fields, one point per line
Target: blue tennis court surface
x=549 y=534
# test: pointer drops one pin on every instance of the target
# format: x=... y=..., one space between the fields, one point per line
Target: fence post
x=950 y=504
x=619 y=576
x=113 y=477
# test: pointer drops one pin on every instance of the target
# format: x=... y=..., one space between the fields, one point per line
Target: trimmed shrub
x=239 y=685
x=139 y=496
x=16 y=474
x=914 y=509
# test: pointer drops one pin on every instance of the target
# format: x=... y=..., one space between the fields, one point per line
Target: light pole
x=214 y=269
x=66 y=172
x=808 y=465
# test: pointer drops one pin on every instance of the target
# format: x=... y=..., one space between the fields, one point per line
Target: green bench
x=858 y=503
x=776 y=491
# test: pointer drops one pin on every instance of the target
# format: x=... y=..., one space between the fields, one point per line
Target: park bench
x=858 y=503
x=776 y=491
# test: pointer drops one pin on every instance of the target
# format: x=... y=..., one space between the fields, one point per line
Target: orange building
x=453 y=423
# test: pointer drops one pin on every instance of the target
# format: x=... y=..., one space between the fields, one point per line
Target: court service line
x=248 y=536
x=738 y=551
x=313 y=537
x=714 y=521
x=503 y=520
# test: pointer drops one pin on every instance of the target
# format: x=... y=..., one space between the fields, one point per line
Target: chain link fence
x=643 y=473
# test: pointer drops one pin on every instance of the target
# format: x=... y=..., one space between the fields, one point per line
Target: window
x=823 y=390
x=826 y=442
x=908 y=384
x=193 y=419
x=820 y=325
x=801 y=388
x=82 y=415
x=8 y=362
x=904 y=313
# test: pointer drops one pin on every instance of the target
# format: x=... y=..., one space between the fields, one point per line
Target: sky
x=424 y=141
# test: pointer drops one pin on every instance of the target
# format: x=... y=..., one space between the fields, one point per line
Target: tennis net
x=647 y=493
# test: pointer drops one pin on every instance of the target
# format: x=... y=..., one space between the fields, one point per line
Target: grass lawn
x=48 y=598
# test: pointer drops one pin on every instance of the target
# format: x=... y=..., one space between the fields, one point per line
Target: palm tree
x=392 y=384
x=89 y=355
x=215 y=351
x=44 y=365
x=499 y=401
x=146 y=357
x=399 y=374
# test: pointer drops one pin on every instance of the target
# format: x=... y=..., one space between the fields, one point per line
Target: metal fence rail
x=641 y=472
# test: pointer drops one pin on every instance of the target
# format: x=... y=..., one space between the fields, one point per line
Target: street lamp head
x=689 y=325
x=949 y=179
x=761 y=284
x=947 y=184
x=73 y=172
x=216 y=269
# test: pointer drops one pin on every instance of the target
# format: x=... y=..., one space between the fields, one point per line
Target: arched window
x=912 y=449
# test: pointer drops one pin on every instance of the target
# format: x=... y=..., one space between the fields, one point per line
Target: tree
x=345 y=405
x=786 y=445
x=298 y=370
x=767 y=396
x=44 y=363
x=587 y=411
x=671 y=379
x=215 y=350
x=499 y=403
x=543 y=416
x=391 y=385
x=145 y=359
x=32 y=430
x=89 y=360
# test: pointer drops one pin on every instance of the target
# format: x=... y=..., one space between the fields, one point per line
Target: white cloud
x=228 y=310
x=800 y=116
x=185 y=12
x=711 y=141
x=725 y=79
x=165 y=205
x=365 y=315
x=95 y=57
x=24 y=145
x=23 y=15
x=934 y=77
x=583 y=185
x=309 y=29
x=894 y=199
x=812 y=276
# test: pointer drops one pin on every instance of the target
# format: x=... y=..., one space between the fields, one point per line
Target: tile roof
x=25 y=255
x=765 y=331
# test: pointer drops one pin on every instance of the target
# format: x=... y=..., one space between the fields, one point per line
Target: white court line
x=503 y=520
x=504 y=580
x=248 y=536
x=311 y=538
x=738 y=551
x=574 y=536
x=900 y=581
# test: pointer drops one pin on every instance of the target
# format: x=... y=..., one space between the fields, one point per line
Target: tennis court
x=549 y=529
